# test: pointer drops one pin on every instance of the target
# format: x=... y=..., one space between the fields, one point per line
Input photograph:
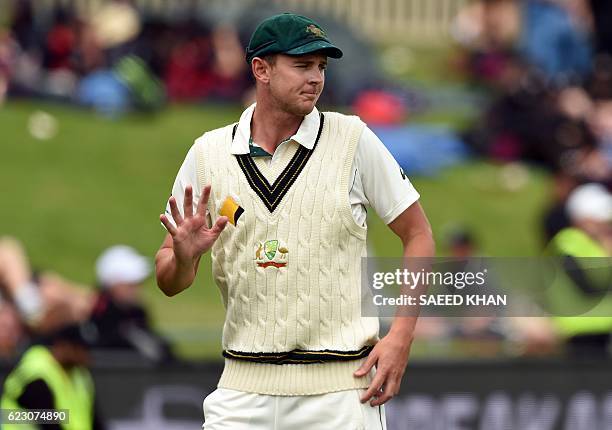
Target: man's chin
x=306 y=108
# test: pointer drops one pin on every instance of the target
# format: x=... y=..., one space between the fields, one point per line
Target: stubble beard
x=296 y=109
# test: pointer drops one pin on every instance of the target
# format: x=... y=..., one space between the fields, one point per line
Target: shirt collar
x=305 y=136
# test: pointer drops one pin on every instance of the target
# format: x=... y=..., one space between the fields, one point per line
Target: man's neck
x=270 y=127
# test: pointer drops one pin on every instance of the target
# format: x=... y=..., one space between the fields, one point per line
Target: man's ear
x=261 y=70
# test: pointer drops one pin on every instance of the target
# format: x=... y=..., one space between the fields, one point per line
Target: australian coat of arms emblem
x=271 y=253
x=315 y=31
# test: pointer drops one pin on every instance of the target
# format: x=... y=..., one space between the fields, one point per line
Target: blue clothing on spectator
x=104 y=92
x=553 y=43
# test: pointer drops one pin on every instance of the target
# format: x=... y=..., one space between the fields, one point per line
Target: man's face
x=296 y=82
x=126 y=293
x=71 y=354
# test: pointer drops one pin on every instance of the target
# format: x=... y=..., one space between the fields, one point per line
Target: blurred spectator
x=115 y=26
x=481 y=331
x=555 y=38
x=44 y=301
x=55 y=376
x=462 y=243
x=479 y=334
x=580 y=298
x=59 y=56
x=12 y=332
x=88 y=55
x=116 y=78
x=188 y=63
x=230 y=75
x=60 y=41
x=17 y=283
x=589 y=208
x=23 y=25
x=119 y=316
x=208 y=66
x=129 y=85
x=551 y=36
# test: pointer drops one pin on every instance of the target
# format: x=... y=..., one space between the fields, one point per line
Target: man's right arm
x=172 y=276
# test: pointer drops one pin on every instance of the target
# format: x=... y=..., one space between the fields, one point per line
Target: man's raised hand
x=191 y=236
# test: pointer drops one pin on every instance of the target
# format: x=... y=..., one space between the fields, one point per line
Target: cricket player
x=279 y=200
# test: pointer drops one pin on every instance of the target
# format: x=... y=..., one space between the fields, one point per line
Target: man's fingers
x=219 y=225
x=166 y=222
x=203 y=203
x=188 y=202
x=374 y=388
x=367 y=365
x=176 y=215
x=389 y=391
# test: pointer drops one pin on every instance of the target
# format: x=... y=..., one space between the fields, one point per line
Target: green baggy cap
x=289 y=34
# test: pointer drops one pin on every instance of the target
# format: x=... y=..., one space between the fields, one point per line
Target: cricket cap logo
x=271 y=253
x=315 y=31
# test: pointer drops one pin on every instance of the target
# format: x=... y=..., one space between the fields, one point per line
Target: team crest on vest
x=271 y=253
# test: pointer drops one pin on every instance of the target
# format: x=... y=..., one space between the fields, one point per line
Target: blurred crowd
x=114 y=60
x=37 y=304
x=120 y=57
x=548 y=65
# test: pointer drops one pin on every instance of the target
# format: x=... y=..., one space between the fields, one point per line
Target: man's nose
x=316 y=77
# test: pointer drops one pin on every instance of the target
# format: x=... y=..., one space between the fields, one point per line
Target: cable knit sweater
x=289 y=268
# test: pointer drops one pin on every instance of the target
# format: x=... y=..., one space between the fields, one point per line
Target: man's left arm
x=382 y=184
x=390 y=355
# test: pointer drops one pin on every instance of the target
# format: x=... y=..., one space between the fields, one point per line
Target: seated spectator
x=119 y=316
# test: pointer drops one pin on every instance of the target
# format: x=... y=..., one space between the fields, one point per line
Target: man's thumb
x=220 y=225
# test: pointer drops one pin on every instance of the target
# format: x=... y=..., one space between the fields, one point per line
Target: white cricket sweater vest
x=289 y=270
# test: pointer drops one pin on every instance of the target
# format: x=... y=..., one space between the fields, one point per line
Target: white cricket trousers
x=237 y=410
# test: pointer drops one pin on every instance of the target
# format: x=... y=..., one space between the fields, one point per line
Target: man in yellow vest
x=581 y=299
x=279 y=198
x=53 y=377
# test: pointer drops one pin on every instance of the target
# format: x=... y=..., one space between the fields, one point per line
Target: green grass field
x=100 y=182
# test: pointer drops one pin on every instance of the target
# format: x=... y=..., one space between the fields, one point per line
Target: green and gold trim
x=272 y=195
x=298 y=356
